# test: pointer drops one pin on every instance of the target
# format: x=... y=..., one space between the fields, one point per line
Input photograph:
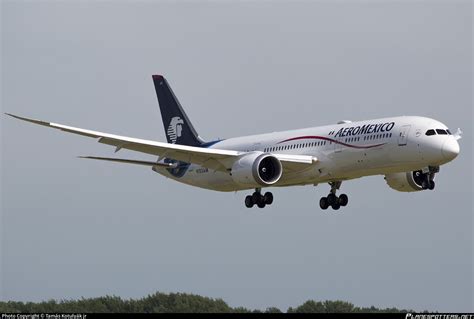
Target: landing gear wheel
x=256 y=197
x=332 y=199
x=323 y=203
x=431 y=186
x=425 y=184
x=268 y=198
x=343 y=199
x=249 y=201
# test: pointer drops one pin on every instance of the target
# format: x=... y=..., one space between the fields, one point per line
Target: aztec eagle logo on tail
x=175 y=128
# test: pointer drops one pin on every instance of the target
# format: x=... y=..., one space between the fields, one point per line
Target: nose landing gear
x=332 y=199
x=258 y=199
x=428 y=177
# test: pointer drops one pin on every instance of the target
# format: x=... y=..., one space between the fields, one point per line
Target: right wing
x=211 y=158
x=216 y=159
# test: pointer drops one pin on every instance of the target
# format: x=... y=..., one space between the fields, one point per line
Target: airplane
x=407 y=150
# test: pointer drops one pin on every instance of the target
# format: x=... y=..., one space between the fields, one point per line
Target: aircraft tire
x=323 y=203
x=432 y=185
x=256 y=197
x=332 y=199
x=268 y=198
x=343 y=199
x=261 y=203
x=425 y=184
x=249 y=201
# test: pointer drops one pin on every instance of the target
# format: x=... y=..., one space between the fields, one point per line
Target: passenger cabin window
x=430 y=132
x=441 y=132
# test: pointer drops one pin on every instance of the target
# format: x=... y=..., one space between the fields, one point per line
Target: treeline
x=166 y=303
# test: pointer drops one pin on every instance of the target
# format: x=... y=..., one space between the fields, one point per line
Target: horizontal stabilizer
x=127 y=161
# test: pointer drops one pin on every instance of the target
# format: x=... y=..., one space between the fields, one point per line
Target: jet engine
x=256 y=170
x=406 y=181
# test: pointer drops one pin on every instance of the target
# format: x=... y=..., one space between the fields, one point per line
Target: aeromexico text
x=365 y=129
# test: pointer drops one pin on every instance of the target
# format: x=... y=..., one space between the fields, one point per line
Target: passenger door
x=403 y=135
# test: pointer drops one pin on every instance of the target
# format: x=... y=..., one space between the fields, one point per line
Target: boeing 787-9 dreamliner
x=407 y=150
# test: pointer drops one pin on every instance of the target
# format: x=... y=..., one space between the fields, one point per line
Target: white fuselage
x=344 y=151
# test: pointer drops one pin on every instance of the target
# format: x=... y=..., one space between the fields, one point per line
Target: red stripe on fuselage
x=330 y=140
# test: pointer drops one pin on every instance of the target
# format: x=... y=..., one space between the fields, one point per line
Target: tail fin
x=178 y=128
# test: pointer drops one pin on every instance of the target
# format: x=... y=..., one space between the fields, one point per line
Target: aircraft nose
x=450 y=149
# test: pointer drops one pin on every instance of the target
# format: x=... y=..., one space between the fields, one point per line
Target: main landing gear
x=258 y=199
x=332 y=199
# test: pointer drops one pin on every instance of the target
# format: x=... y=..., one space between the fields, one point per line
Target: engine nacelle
x=257 y=169
x=406 y=181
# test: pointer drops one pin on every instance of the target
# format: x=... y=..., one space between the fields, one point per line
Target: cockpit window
x=448 y=132
x=441 y=132
x=430 y=132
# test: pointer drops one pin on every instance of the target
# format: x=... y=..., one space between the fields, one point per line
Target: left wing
x=129 y=161
x=216 y=159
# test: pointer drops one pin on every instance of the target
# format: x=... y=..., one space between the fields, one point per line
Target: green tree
x=272 y=310
x=309 y=306
x=174 y=302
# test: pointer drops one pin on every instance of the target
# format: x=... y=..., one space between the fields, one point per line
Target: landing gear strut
x=332 y=199
x=258 y=199
x=428 y=177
